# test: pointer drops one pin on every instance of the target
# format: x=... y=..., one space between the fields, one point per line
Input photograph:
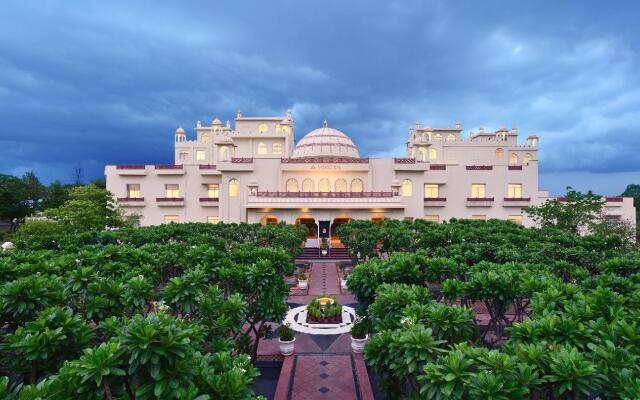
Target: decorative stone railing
x=169 y=199
x=206 y=166
x=242 y=160
x=131 y=199
x=517 y=199
x=168 y=166
x=324 y=160
x=209 y=199
x=325 y=194
x=479 y=167
x=435 y=199
x=515 y=167
x=480 y=199
x=404 y=160
x=127 y=166
x=438 y=167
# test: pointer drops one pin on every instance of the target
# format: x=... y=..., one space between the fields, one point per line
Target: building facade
x=256 y=172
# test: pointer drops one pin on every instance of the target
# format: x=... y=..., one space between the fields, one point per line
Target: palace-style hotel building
x=254 y=171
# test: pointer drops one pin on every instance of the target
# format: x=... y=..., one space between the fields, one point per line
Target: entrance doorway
x=325 y=229
x=269 y=220
x=335 y=240
x=312 y=227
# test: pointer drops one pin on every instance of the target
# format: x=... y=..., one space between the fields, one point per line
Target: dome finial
x=325 y=124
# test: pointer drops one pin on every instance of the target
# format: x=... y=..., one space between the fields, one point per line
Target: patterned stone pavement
x=323 y=377
x=324 y=279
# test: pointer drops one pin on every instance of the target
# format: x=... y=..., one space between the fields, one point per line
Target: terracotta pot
x=286 y=348
x=357 y=345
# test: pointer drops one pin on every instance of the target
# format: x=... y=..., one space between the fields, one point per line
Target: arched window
x=423 y=154
x=224 y=153
x=262 y=128
x=234 y=187
x=527 y=158
x=433 y=154
x=513 y=158
x=277 y=148
x=324 y=185
x=205 y=137
x=499 y=153
x=340 y=185
x=307 y=185
x=407 y=188
x=438 y=136
x=451 y=137
x=292 y=185
x=356 y=185
x=427 y=136
x=262 y=148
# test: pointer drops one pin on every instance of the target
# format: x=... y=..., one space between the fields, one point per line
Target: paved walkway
x=324 y=279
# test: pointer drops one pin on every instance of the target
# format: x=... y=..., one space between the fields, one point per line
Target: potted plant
x=302 y=281
x=286 y=340
x=343 y=282
x=324 y=246
x=359 y=335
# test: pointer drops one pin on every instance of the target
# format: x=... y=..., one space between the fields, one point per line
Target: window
x=438 y=136
x=224 y=153
x=170 y=219
x=516 y=219
x=171 y=190
x=613 y=218
x=432 y=218
x=514 y=190
x=431 y=191
x=527 y=158
x=201 y=155
x=423 y=154
x=262 y=128
x=307 y=185
x=183 y=155
x=340 y=185
x=407 y=188
x=478 y=190
x=234 y=187
x=133 y=190
x=451 y=137
x=205 y=137
x=479 y=217
x=276 y=148
x=433 y=154
x=213 y=191
x=499 y=153
x=212 y=219
x=356 y=185
x=262 y=148
x=324 y=185
x=513 y=158
x=286 y=129
x=292 y=185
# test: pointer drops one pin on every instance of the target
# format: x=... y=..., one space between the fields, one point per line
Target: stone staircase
x=335 y=254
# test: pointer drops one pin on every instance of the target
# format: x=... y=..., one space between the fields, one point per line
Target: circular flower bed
x=324 y=310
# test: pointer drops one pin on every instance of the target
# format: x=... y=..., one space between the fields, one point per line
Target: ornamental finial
x=325 y=124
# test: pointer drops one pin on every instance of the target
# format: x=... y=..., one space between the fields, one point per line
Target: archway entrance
x=312 y=227
x=269 y=220
x=335 y=240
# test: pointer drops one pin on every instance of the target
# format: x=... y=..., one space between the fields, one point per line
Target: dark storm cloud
x=91 y=83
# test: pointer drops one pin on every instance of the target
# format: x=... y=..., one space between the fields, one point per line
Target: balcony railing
x=404 y=160
x=517 y=199
x=515 y=167
x=324 y=160
x=131 y=199
x=614 y=199
x=480 y=199
x=209 y=199
x=325 y=194
x=479 y=167
x=242 y=160
x=438 y=167
x=435 y=199
x=169 y=199
x=207 y=166
x=126 y=166
x=168 y=166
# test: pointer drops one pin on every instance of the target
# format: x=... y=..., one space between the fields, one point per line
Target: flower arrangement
x=324 y=310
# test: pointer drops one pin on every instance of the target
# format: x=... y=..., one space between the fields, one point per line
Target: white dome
x=326 y=142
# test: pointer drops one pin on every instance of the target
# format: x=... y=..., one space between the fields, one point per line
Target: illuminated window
x=341 y=185
x=234 y=187
x=171 y=190
x=262 y=148
x=224 y=153
x=431 y=191
x=183 y=155
x=433 y=154
x=432 y=218
x=212 y=219
x=478 y=190
x=479 y=217
x=499 y=153
x=213 y=191
x=307 y=185
x=356 y=185
x=516 y=219
x=407 y=188
x=262 y=128
x=292 y=185
x=423 y=154
x=286 y=129
x=324 y=185
x=277 y=148
x=513 y=158
x=527 y=158
x=205 y=137
x=170 y=219
x=451 y=137
x=438 y=136
x=133 y=190
x=514 y=190
x=201 y=155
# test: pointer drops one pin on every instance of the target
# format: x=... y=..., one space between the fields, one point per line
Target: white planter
x=325 y=252
x=286 y=348
x=343 y=284
x=357 y=345
x=303 y=284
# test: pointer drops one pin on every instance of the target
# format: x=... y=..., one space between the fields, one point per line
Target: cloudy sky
x=88 y=83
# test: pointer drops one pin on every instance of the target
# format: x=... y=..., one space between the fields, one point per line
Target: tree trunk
x=33 y=373
x=107 y=389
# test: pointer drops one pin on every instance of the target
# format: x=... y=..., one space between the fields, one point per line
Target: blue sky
x=93 y=82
